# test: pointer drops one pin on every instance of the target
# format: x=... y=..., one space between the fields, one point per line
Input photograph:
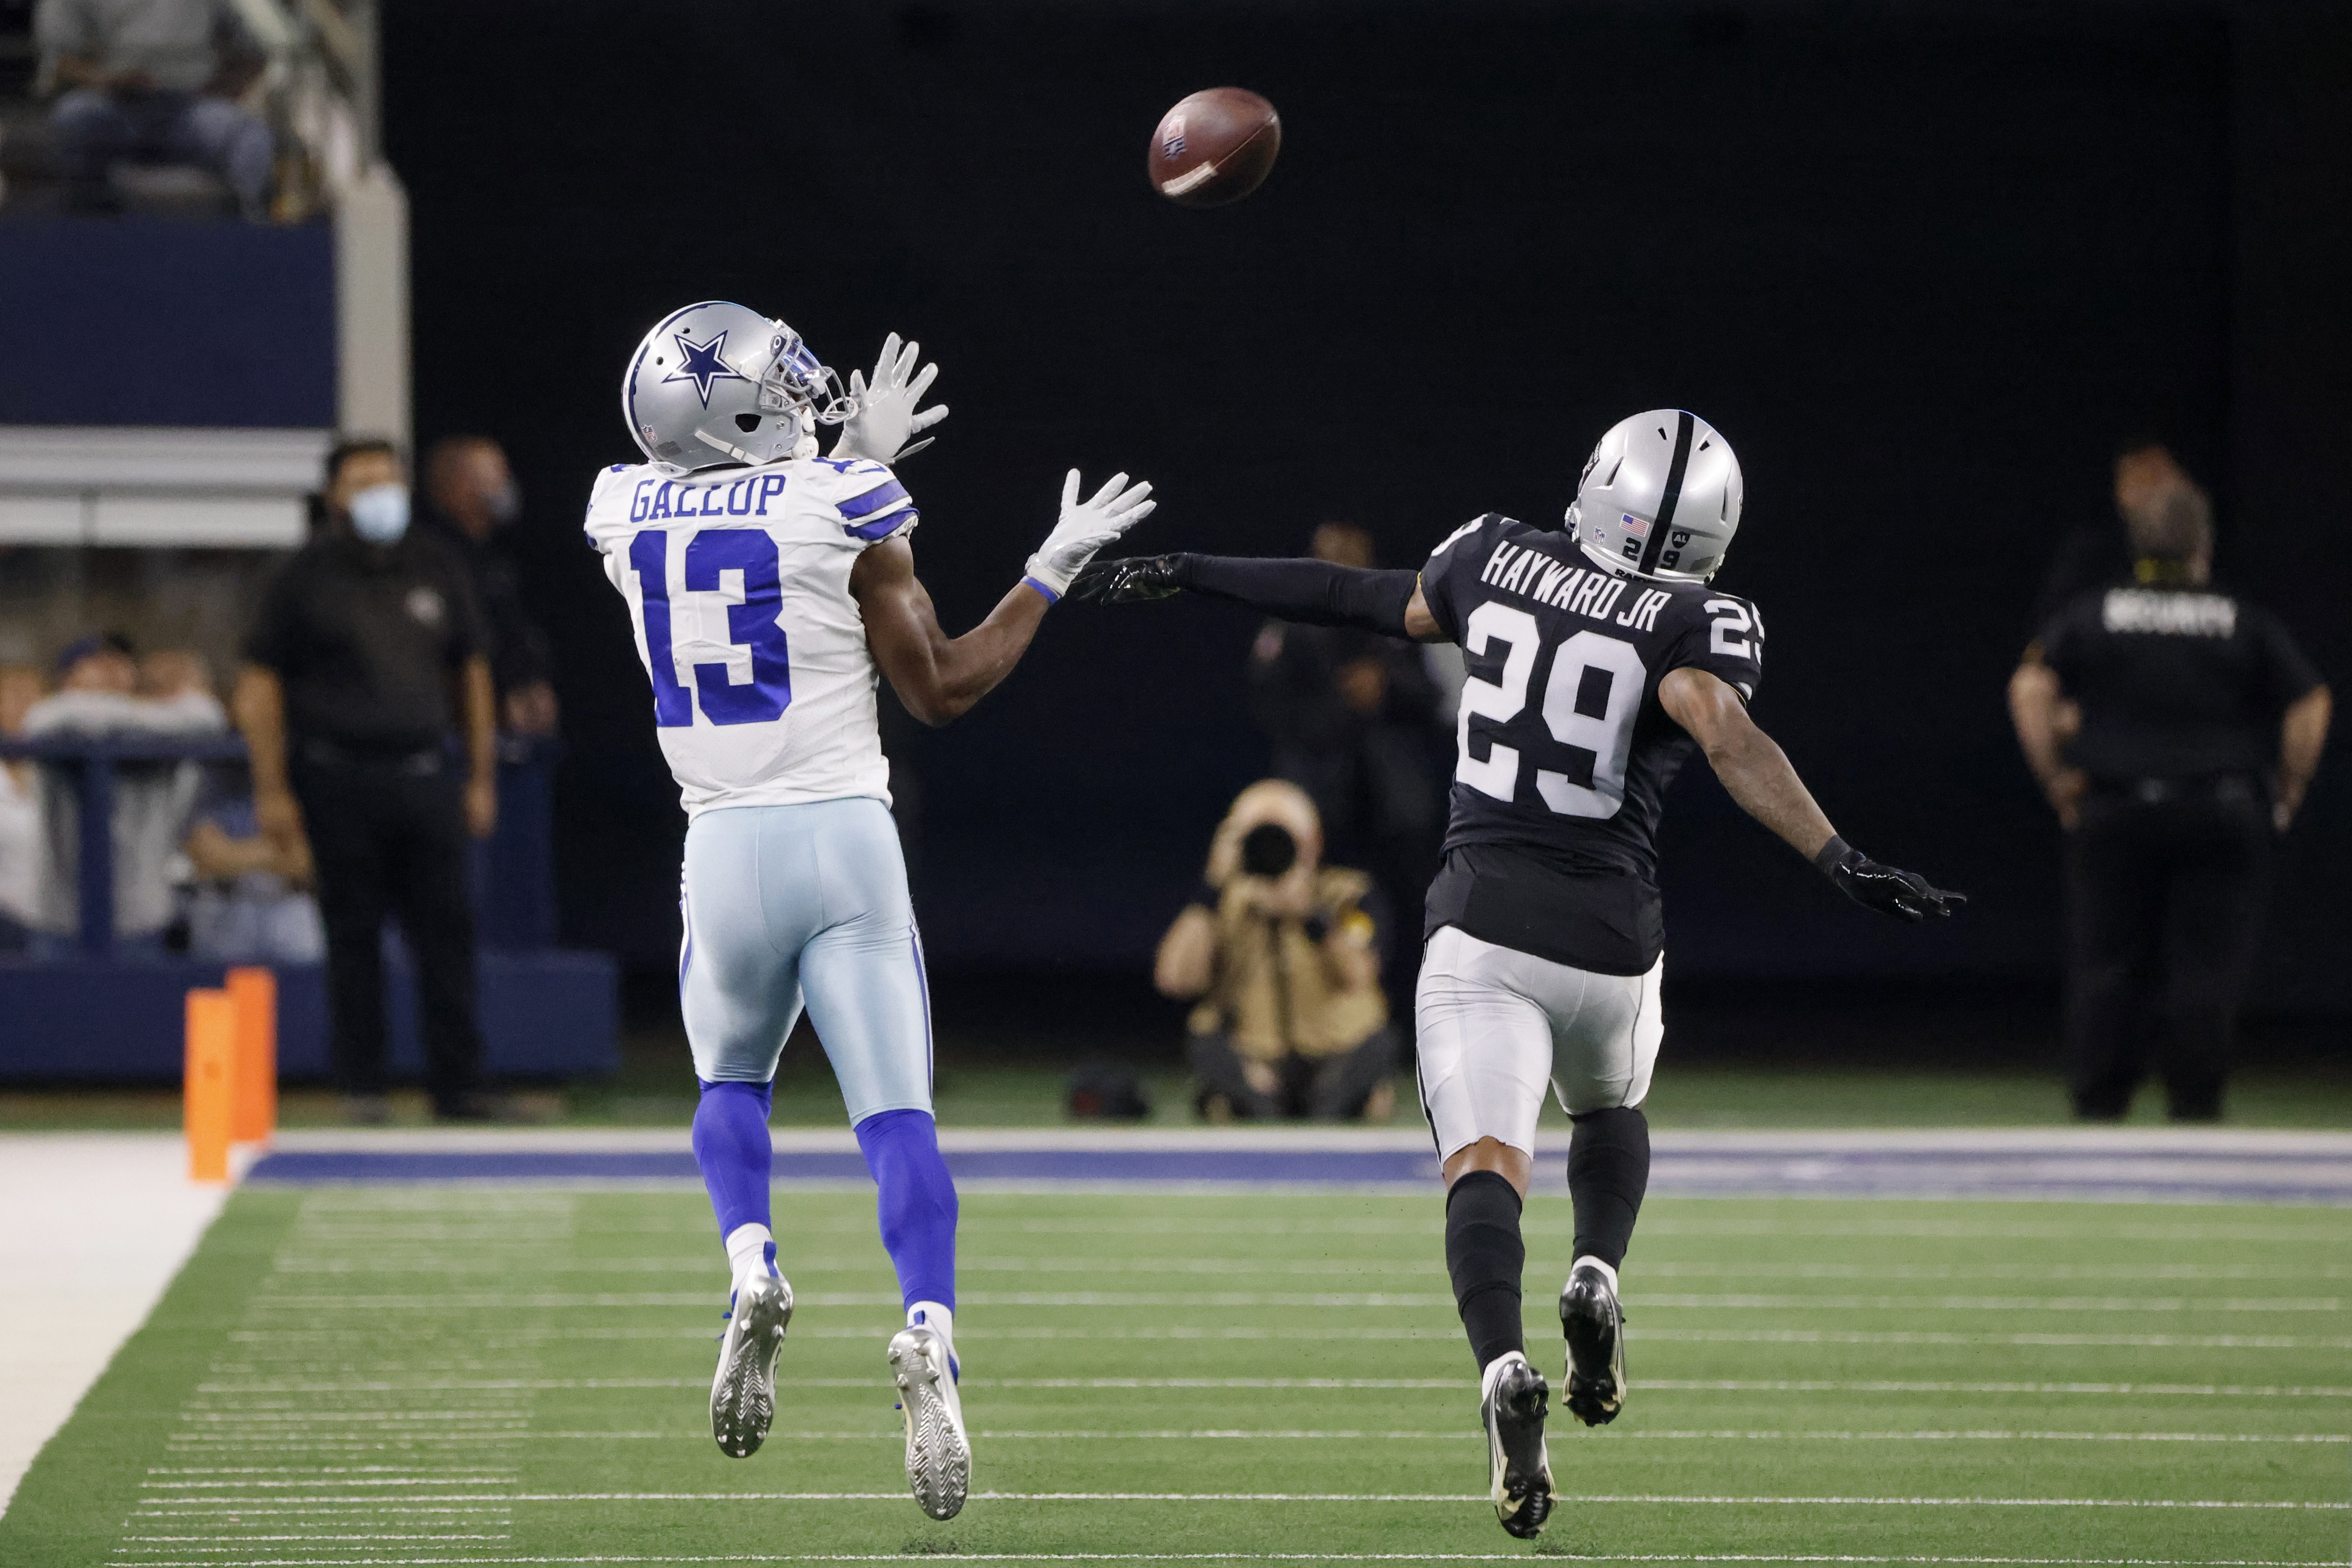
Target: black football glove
x=1905 y=895
x=1129 y=580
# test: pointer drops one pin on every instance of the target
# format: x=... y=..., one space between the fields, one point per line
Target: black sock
x=1485 y=1255
x=1608 y=1171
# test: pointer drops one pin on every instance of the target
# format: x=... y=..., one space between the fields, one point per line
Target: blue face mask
x=379 y=514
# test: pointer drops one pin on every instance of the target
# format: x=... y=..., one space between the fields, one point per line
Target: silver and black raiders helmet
x=716 y=382
x=1659 y=497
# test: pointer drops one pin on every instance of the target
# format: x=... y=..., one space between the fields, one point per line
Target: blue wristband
x=1051 y=597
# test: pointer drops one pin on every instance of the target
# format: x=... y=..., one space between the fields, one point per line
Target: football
x=1214 y=147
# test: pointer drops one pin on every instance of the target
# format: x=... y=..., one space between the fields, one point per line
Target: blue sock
x=730 y=1145
x=916 y=1203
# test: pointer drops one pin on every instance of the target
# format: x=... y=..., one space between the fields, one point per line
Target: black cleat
x=1594 y=1326
x=1517 y=1465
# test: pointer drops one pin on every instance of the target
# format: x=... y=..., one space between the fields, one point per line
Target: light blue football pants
x=783 y=903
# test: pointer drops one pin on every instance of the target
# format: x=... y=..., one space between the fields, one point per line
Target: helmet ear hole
x=747 y=423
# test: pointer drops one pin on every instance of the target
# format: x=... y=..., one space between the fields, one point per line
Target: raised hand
x=1085 y=526
x=1128 y=579
x=887 y=420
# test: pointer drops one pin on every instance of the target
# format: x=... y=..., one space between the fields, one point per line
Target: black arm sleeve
x=1313 y=593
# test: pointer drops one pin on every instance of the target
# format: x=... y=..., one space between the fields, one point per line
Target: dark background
x=1924 y=264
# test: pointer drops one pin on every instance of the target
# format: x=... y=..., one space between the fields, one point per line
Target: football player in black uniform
x=1599 y=657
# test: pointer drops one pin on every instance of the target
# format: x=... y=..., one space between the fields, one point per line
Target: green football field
x=451 y=1375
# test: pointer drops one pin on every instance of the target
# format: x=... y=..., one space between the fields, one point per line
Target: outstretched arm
x=1753 y=768
x=939 y=677
x=1757 y=774
x=1311 y=592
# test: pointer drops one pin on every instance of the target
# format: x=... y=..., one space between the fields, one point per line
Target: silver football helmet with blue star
x=717 y=383
x=1660 y=496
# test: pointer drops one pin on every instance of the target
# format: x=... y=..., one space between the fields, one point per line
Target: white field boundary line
x=1906 y=1142
x=1320 y=1300
x=1671 y=1435
x=1260 y=1557
x=1663 y=1184
x=1670 y=1224
x=229 y=1505
x=881 y=1329
x=562 y=1258
x=1452 y=1384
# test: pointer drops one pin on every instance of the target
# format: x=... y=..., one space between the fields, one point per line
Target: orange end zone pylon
x=253 y=1100
x=210 y=1083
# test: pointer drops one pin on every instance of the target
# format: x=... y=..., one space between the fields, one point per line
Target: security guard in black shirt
x=2175 y=727
x=368 y=651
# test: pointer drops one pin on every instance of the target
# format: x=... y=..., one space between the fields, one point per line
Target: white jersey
x=738 y=584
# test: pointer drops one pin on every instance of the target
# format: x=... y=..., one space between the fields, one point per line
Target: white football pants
x=1496 y=1024
x=791 y=904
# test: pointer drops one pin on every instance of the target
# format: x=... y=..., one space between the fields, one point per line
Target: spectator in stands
x=153 y=81
x=248 y=899
x=250 y=902
x=1284 y=963
x=368 y=659
x=20 y=814
x=1354 y=719
x=98 y=695
x=473 y=496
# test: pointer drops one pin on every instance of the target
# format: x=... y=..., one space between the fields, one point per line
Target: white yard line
x=235 y=1506
x=1267 y=1557
x=1264 y=1557
x=92 y=1228
x=879 y=1435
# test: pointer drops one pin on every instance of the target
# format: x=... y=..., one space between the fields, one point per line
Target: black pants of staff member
x=2166 y=892
x=1333 y=1087
x=389 y=836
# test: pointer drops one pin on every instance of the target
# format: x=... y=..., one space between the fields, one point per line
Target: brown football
x=1214 y=147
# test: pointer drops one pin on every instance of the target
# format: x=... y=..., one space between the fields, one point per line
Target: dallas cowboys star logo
x=700 y=363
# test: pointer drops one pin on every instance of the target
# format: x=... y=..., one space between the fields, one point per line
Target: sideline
x=2079 y=1165
x=93 y=1225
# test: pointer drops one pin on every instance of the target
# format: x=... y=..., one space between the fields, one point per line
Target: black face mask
x=1268 y=850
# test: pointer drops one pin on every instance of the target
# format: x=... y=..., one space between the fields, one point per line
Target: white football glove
x=885 y=420
x=1085 y=526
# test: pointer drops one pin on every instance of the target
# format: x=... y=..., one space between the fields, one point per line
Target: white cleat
x=1519 y=1466
x=939 y=1452
x=743 y=1392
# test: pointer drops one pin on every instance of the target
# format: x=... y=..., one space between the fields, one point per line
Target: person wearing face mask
x=368 y=659
x=472 y=498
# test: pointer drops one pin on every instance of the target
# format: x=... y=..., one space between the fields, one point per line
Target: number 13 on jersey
x=751 y=624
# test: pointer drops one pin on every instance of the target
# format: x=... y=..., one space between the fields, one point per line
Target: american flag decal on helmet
x=1637 y=526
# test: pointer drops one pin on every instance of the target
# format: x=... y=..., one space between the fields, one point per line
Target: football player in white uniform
x=767 y=586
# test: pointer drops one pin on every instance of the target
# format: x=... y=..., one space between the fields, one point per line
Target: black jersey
x=1563 y=753
x=2174 y=683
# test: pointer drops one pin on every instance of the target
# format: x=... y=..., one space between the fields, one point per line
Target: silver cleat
x=743 y=1393
x=939 y=1452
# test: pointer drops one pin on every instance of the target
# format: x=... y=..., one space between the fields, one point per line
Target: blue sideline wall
x=544 y=1015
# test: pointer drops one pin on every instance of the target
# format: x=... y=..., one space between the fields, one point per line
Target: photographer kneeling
x=1283 y=959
